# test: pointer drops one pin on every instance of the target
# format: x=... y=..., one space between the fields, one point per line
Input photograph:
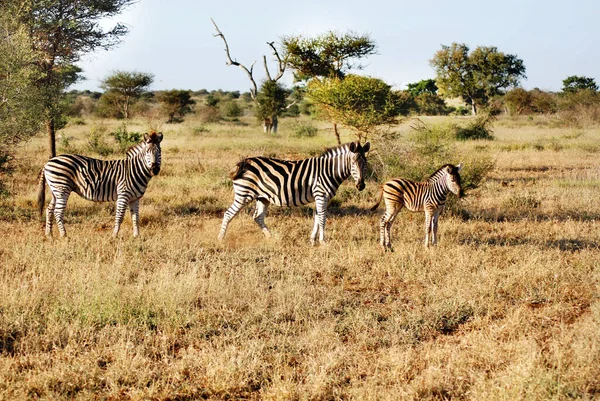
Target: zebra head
x=152 y=152
x=358 y=167
x=453 y=179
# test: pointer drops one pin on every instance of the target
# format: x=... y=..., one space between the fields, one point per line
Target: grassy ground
x=505 y=308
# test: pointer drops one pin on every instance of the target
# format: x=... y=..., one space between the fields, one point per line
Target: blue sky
x=174 y=39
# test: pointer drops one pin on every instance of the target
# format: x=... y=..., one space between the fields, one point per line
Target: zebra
x=429 y=196
x=295 y=183
x=123 y=181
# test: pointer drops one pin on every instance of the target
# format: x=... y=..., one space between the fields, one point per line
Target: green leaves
x=478 y=76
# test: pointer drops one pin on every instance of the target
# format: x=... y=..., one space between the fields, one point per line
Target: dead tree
x=281 y=64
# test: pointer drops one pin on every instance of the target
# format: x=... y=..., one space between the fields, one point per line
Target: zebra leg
x=238 y=203
x=61 y=197
x=122 y=203
x=50 y=215
x=434 y=225
x=259 y=216
x=428 y=222
x=134 y=208
x=385 y=227
x=320 y=217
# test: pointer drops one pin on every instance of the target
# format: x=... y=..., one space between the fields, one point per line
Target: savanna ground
x=506 y=307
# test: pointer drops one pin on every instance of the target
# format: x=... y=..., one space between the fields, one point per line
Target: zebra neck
x=338 y=167
x=439 y=185
x=137 y=168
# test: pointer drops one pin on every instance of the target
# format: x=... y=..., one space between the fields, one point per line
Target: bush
x=232 y=109
x=124 y=138
x=305 y=130
x=200 y=129
x=479 y=128
x=209 y=114
x=97 y=142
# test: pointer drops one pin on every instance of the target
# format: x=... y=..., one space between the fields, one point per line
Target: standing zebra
x=123 y=181
x=429 y=196
x=295 y=183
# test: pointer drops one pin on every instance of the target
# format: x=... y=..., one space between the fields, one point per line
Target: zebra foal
x=123 y=181
x=428 y=196
x=295 y=183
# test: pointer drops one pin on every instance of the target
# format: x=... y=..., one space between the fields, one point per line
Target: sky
x=173 y=39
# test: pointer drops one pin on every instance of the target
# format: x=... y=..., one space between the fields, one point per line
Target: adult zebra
x=123 y=181
x=295 y=183
x=429 y=196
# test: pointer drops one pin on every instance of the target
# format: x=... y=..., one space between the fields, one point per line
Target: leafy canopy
x=175 y=103
x=359 y=102
x=576 y=83
x=475 y=76
x=328 y=55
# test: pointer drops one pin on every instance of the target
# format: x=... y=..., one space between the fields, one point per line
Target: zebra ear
x=459 y=167
x=366 y=147
x=159 y=136
x=146 y=137
x=353 y=147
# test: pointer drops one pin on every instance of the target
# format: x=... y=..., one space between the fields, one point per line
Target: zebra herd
x=261 y=179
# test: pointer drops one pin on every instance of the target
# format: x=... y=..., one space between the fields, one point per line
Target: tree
x=358 y=102
x=518 y=100
x=576 y=83
x=326 y=57
x=423 y=86
x=176 y=103
x=270 y=124
x=60 y=32
x=126 y=87
x=21 y=111
x=478 y=76
x=271 y=101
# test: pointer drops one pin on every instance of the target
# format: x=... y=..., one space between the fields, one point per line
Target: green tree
x=271 y=101
x=126 y=87
x=21 y=111
x=328 y=58
x=576 y=83
x=60 y=32
x=423 y=86
x=478 y=76
x=176 y=103
x=358 y=102
x=518 y=101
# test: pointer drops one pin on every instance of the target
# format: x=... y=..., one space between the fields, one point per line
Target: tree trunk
x=267 y=125
x=337 y=134
x=274 y=123
x=51 y=137
x=473 y=108
x=126 y=109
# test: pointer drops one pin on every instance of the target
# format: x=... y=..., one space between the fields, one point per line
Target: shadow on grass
x=563 y=244
x=495 y=215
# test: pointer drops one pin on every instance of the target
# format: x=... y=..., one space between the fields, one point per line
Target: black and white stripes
x=123 y=181
x=295 y=183
x=429 y=196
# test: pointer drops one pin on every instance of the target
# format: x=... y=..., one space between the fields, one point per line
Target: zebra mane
x=438 y=172
x=336 y=150
x=134 y=150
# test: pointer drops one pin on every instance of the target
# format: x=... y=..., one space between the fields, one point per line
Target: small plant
x=124 y=138
x=523 y=202
x=306 y=130
x=200 y=129
x=97 y=143
x=480 y=128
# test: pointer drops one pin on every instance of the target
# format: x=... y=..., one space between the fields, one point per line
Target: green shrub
x=124 y=138
x=231 y=109
x=305 y=129
x=200 y=129
x=479 y=128
x=97 y=142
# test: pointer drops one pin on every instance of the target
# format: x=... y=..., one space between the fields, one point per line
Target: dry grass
x=505 y=308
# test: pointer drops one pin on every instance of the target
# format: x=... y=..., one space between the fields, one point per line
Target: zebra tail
x=375 y=206
x=41 y=193
x=239 y=170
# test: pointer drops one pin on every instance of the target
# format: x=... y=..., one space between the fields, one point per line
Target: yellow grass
x=505 y=308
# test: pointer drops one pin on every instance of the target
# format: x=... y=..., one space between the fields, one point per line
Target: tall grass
x=506 y=307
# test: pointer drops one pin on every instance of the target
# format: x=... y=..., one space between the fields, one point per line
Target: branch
x=281 y=63
x=230 y=61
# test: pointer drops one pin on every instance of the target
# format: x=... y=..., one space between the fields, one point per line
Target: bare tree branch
x=230 y=61
x=281 y=63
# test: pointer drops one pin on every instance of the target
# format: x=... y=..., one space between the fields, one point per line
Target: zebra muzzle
x=155 y=168
x=360 y=186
